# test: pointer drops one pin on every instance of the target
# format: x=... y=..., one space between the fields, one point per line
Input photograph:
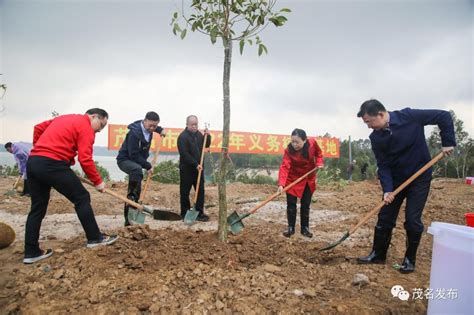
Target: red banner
x=239 y=142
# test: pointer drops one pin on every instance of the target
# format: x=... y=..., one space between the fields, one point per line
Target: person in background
x=350 y=170
x=133 y=154
x=363 y=171
x=301 y=156
x=21 y=152
x=399 y=145
x=56 y=142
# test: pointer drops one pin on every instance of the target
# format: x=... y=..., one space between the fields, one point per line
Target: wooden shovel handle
x=279 y=193
x=112 y=193
x=399 y=189
x=148 y=179
x=15 y=184
x=200 y=171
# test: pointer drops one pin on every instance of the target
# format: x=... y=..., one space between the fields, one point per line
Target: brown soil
x=166 y=267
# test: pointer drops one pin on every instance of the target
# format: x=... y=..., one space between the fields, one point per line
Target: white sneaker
x=106 y=240
x=31 y=260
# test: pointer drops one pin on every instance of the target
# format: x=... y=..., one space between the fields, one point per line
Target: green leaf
x=213 y=39
x=175 y=15
x=176 y=27
x=262 y=49
x=250 y=42
x=183 y=34
x=285 y=10
x=241 y=45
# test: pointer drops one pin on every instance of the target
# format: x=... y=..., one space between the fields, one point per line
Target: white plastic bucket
x=452 y=268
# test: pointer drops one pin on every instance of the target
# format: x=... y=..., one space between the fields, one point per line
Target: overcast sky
x=68 y=56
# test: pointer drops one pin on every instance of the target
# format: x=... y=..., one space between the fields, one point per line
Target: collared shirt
x=401 y=149
x=146 y=133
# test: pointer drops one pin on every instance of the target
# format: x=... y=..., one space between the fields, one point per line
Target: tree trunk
x=222 y=231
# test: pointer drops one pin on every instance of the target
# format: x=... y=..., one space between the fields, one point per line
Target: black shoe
x=127 y=223
x=305 y=232
x=31 y=260
x=202 y=217
x=412 y=242
x=290 y=232
x=407 y=266
x=382 y=237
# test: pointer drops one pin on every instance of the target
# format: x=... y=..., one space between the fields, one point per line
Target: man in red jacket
x=55 y=145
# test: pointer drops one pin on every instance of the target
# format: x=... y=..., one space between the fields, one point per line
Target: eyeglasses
x=102 y=123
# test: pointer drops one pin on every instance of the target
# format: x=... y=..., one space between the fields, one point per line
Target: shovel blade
x=235 y=223
x=331 y=246
x=191 y=216
x=136 y=216
x=165 y=215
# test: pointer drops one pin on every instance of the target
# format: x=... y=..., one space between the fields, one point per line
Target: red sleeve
x=39 y=129
x=284 y=169
x=318 y=155
x=85 y=143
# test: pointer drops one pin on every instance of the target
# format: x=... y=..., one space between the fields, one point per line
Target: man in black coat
x=133 y=154
x=190 y=143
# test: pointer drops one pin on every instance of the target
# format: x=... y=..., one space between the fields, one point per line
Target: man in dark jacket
x=190 y=143
x=133 y=154
x=398 y=142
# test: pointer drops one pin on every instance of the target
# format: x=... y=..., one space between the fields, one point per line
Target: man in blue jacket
x=133 y=154
x=398 y=142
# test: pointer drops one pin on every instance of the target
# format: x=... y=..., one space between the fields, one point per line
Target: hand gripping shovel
x=150 y=175
x=192 y=213
x=138 y=215
x=235 y=220
x=381 y=204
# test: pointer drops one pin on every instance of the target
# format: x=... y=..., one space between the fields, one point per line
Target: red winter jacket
x=294 y=165
x=65 y=136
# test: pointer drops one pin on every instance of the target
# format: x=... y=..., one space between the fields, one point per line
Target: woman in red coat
x=301 y=156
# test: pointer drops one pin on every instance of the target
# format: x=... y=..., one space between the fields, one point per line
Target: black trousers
x=188 y=179
x=416 y=195
x=43 y=174
x=133 y=170
x=135 y=176
x=304 y=210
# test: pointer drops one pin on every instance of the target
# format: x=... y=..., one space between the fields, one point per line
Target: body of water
x=107 y=162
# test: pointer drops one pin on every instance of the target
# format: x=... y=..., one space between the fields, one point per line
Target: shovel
x=381 y=204
x=15 y=188
x=235 y=220
x=192 y=213
x=138 y=215
x=150 y=175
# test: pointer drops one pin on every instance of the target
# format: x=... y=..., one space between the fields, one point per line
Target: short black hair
x=371 y=107
x=152 y=116
x=102 y=113
x=8 y=145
